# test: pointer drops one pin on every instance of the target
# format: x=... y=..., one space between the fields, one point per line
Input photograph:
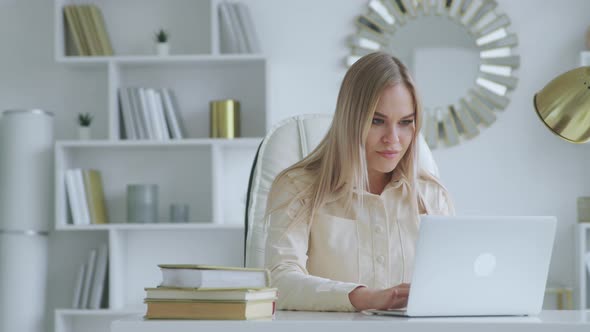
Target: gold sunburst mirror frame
x=488 y=32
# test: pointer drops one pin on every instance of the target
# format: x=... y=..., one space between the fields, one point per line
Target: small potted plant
x=84 y=121
x=161 y=37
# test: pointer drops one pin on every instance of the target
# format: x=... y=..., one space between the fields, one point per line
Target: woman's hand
x=391 y=298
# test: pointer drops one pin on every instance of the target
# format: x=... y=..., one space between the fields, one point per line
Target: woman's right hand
x=390 y=298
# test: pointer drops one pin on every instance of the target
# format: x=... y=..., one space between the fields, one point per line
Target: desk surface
x=298 y=321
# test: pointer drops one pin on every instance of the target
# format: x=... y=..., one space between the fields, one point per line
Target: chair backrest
x=285 y=144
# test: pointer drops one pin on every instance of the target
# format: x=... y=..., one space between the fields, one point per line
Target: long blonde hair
x=338 y=164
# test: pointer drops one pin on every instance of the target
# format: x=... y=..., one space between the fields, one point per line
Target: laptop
x=479 y=266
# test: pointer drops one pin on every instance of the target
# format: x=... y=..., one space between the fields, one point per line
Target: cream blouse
x=315 y=267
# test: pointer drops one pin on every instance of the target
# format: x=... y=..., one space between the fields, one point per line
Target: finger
x=399 y=303
x=400 y=292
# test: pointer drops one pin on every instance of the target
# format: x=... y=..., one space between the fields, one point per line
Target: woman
x=343 y=222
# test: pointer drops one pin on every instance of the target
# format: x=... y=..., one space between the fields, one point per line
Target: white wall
x=514 y=167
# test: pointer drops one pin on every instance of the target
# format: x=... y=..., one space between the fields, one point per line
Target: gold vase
x=225 y=118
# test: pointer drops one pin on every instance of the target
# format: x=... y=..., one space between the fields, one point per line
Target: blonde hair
x=338 y=164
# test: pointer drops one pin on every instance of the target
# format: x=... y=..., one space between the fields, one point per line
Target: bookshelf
x=211 y=175
x=582 y=231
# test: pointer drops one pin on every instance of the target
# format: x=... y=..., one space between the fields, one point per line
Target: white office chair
x=285 y=144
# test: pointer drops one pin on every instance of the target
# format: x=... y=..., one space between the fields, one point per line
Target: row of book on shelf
x=91 y=290
x=148 y=113
x=85 y=196
x=211 y=292
x=237 y=31
x=86 y=33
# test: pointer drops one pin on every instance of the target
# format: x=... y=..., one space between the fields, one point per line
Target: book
x=77 y=299
x=73 y=34
x=208 y=276
x=247 y=25
x=73 y=197
x=237 y=29
x=95 y=196
x=99 y=279
x=81 y=193
x=101 y=31
x=88 y=279
x=127 y=114
x=167 y=293
x=587 y=260
x=172 y=114
x=242 y=310
x=87 y=29
x=228 y=35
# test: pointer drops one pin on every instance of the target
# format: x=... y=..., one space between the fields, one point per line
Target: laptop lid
x=471 y=266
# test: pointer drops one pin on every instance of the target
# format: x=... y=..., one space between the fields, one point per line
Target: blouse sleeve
x=286 y=258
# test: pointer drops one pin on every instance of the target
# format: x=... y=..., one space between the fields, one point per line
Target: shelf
x=204 y=59
x=237 y=142
x=152 y=227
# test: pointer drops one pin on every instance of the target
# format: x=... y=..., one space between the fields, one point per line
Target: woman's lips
x=389 y=154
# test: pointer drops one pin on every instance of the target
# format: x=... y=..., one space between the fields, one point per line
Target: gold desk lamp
x=564 y=105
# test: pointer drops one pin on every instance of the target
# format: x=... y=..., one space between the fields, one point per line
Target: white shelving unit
x=211 y=175
x=583 y=276
x=583 y=240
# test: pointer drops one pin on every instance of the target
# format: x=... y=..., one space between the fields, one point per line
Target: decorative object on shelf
x=84 y=122
x=161 y=37
x=563 y=105
x=472 y=41
x=179 y=213
x=142 y=203
x=225 y=118
x=26 y=160
x=583 y=209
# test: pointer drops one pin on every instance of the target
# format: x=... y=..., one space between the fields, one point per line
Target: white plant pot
x=162 y=49
x=84 y=133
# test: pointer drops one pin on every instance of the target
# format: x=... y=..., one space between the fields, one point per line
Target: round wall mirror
x=461 y=55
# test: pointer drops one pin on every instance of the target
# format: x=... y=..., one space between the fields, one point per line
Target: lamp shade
x=564 y=105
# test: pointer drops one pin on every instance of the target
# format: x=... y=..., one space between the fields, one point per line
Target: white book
x=88 y=279
x=238 y=31
x=587 y=260
x=172 y=116
x=161 y=116
x=135 y=114
x=82 y=199
x=77 y=299
x=145 y=109
x=229 y=42
x=73 y=197
x=99 y=279
x=202 y=276
x=153 y=111
x=140 y=113
x=177 y=112
x=247 y=24
x=125 y=109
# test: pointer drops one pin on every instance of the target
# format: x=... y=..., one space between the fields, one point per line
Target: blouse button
x=380 y=259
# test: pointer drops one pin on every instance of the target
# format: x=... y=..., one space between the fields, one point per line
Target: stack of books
x=150 y=114
x=211 y=292
x=86 y=33
x=86 y=196
x=237 y=31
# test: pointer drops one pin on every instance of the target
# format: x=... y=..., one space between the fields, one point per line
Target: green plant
x=84 y=119
x=161 y=36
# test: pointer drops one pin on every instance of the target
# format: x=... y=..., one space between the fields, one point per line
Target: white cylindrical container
x=26 y=170
x=23 y=281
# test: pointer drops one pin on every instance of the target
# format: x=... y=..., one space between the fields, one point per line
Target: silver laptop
x=479 y=266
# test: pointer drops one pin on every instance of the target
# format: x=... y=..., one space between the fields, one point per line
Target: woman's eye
x=378 y=121
x=407 y=122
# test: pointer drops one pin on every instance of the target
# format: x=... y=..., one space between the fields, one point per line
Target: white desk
x=292 y=321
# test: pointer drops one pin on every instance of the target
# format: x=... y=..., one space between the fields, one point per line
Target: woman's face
x=392 y=130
